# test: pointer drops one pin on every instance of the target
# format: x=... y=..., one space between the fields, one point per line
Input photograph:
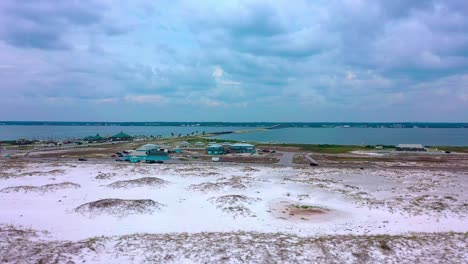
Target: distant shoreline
x=335 y=135
x=268 y=125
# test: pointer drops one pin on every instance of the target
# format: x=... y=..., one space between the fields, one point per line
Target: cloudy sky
x=149 y=60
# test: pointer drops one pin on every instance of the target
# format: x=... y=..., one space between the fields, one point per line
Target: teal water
x=307 y=135
x=358 y=136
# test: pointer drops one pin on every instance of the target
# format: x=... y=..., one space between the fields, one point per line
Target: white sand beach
x=70 y=202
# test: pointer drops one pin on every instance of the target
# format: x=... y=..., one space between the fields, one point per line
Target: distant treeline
x=271 y=125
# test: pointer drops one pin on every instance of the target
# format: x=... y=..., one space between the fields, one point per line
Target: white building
x=410 y=147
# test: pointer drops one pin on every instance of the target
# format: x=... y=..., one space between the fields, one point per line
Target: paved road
x=286 y=159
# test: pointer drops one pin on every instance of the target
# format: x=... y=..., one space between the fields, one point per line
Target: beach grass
x=463 y=149
x=326 y=148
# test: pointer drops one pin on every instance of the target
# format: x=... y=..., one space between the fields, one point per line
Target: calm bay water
x=359 y=136
x=341 y=136
x=44 y=132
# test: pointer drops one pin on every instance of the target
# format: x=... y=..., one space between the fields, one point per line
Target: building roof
x=410 y=146
x=215 y=146
x=121 y=135
x=147 y=147
x=97 y=137
x=137 y=154
x=242 y=145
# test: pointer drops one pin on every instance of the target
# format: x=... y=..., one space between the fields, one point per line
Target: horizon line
x=39 y=121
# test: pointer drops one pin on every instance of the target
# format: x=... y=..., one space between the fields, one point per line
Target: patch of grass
x=452 y=149
x=91 y=243
x=300 y=159
x=325 y=148
x=357 y=159
x=306 y=207
x=383 y=244
x=207 y=140
x=140 y=182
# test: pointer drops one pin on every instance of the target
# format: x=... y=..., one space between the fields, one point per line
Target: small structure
x=242 y=148
x=215 y=149
x=184 y=144
x=148 y=152
x=136 y=156
x=148 y=148
x=226 y=146
x=199 y=144
x=177 y=150
x=159 y=155
x=23 y=142
x=121 y=137
x=410 y=147
x=96 y=138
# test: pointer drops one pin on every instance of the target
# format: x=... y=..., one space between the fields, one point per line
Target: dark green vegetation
x=337 y=149
x=206 y=140
x=452 y=148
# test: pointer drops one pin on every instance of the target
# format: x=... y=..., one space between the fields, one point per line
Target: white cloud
x=218 y=72
x=214 y=54
x=210 y=102
x=106 y=100
x=146 y=99
x=464 y=97
x=230 y=82
x=220 y=77
x=396 y=98
x=350 y=76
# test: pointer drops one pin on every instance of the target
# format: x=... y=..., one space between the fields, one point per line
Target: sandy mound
x=198 y=171
x=429 y=204
x=235 y=182
x=234 y=204
x=233 y=199
x=18 y=173
x=249 y=169
x=105 y=175
x=43 y=188
x=141 y=182
x=118 y=207
x=48 y=173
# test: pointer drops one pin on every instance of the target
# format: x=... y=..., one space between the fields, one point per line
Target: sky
x=149 y=60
